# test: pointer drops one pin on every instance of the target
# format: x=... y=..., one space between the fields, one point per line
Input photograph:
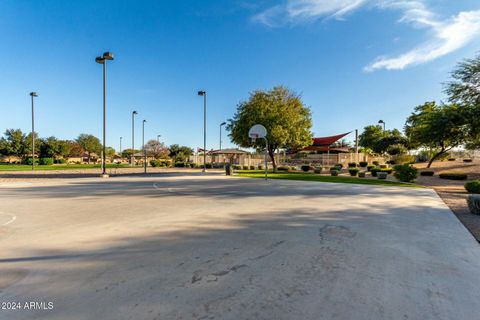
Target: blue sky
x=353 y=61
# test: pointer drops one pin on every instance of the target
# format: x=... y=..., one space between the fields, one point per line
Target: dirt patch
x=452 y=192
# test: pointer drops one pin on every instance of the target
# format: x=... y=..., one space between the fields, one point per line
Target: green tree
x=51 y=147
x=27 y=144
x=90 y=144
x=46 y=147
x=282 y=112
x=370 y=136
x=128 y=153
x=389 y=139
x=439 y=128
x=13 y=144
x=379 y=141
x=180 y=153
x=109 y=152
x=157 y=149
x=464 y=90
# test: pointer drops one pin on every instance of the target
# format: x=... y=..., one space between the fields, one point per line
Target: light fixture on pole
x=132 y=158
x=382 y=122
x=204 y=94
x=143 y=147
x=158 y=137
x=221 y=124
x=33 y=94
x=103 y=60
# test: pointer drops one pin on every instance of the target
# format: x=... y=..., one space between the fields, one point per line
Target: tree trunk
x=88 y=159
x=271 y=153
x=435 y=157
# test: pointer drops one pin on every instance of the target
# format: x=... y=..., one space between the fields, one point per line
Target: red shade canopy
x=326 y=141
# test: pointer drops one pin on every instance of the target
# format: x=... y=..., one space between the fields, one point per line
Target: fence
x=282 y=159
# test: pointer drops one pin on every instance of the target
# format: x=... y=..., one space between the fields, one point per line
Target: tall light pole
x=103 y=60
x=33 y=94
x=132 y=158
x=382 y=122
x=204 y=94
x=121 y=145
x=221 y=124
x=143 y=147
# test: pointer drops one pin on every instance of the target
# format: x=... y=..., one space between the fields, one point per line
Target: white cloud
x=294 y=11
x=307 y=9
x=447 y=35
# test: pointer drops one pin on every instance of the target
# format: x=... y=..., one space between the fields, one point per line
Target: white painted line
x=12 y=218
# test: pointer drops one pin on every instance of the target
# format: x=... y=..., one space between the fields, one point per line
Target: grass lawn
x=22 y=167
x=304 y=176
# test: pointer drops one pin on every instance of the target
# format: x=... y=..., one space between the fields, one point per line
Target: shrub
x=451 y=159
x=252 y=167
x=260 y=167
x=353 y=171
x=236 y=167
x=283 y=168
x=391 y=162
x=335 y=168
x=427 y=173
x=179 y=164
x=370 y=167
x=339 y=165
x=45 y=161
x=453 y=176
x=305 y=168
x=28 y=161
x=376 y=163
x=155 y=163
x=352 y=165
x=362 y=174
x=245 y=167
x=405 y=172
x=318 y=170
x=473 y=202
x=363 y=164
x=375 y=170
x=382 y=175
x=334 y=173
x=383 y=166
x=473 y=186
x=208 y=166
x=60 y=161
x=467 y=160
x=387 y=171
x=293 y=168
x=192 y=165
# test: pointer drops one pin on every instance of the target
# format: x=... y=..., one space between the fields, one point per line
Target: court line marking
x=12 y=219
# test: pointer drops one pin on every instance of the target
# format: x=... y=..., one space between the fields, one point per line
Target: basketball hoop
x=259 y=131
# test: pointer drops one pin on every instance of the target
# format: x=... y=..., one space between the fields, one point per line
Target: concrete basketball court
x=193 y=246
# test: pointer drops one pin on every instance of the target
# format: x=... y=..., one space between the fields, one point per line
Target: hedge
x=453 y=176
x=473 y=186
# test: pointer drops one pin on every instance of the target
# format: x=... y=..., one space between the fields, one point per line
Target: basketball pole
x=266 y=160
